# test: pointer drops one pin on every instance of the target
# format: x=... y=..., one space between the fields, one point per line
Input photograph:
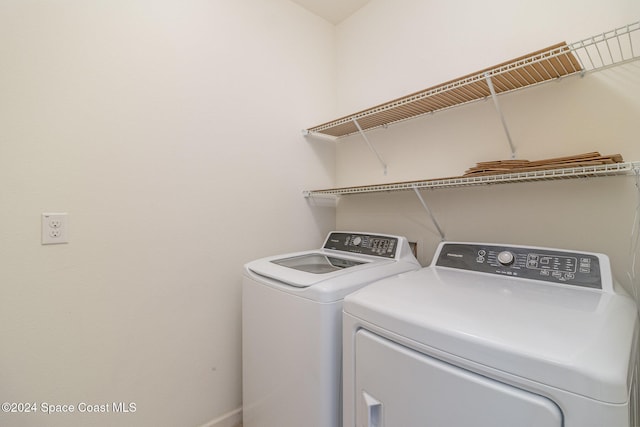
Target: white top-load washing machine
x=493 y=336
x=292 y=325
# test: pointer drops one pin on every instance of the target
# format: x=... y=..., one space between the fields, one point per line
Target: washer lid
x=576 y=339
x=317 y=263
x=309 y=268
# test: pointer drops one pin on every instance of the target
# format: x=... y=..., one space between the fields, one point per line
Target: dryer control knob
x=506 y=258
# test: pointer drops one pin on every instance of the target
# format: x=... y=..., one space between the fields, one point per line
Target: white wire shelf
x=614 y=47
x=626 y=168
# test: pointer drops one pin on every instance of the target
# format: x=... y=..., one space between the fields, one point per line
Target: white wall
x=389 y=50
x=169 y=131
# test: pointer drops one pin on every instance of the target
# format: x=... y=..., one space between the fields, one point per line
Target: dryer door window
x=397 y=386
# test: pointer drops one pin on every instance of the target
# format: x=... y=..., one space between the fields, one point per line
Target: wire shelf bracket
x=494 y=96
x=371 y=147
x=310 y=134
x=426 y=208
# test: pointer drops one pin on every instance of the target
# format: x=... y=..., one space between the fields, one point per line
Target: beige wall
x=421 y=45
x=169 y=132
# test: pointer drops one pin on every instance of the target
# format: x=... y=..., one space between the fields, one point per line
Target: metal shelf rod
x=494 y=96
x=426 y=207
x=371 y=147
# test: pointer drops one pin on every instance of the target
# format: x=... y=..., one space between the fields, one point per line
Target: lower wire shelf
x=625 y=168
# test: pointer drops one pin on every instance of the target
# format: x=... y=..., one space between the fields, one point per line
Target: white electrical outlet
x=55 y=228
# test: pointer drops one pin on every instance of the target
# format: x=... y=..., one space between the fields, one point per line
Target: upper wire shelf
x=614 y=47
x=624 y=168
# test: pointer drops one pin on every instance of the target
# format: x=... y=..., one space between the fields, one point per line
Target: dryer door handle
x=373 y=411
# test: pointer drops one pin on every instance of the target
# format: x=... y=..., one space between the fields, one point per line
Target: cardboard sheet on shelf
x=512 y=166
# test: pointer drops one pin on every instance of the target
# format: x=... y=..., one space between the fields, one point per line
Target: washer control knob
x=506 y=258
x=356 y=241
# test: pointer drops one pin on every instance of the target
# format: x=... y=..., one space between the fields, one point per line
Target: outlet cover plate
x=55 y=228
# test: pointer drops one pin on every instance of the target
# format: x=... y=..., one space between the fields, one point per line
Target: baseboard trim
x=230 y=419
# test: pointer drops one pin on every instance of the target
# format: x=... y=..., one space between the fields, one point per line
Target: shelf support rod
x=494 y=96
x=426 y=207
x=371 y=147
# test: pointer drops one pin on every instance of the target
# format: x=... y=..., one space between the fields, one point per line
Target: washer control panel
x=572 y=268
x=367 y=244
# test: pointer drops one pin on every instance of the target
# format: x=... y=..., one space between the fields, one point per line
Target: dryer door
x=397 y=386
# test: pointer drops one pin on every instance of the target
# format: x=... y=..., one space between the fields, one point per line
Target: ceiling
x=333 y=11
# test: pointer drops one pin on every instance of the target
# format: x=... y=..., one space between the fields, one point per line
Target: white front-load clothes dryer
x=493 y=336
x=292 y=325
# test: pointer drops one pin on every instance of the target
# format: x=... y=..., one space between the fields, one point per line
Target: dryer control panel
x=367 y=244
x=571 y=268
